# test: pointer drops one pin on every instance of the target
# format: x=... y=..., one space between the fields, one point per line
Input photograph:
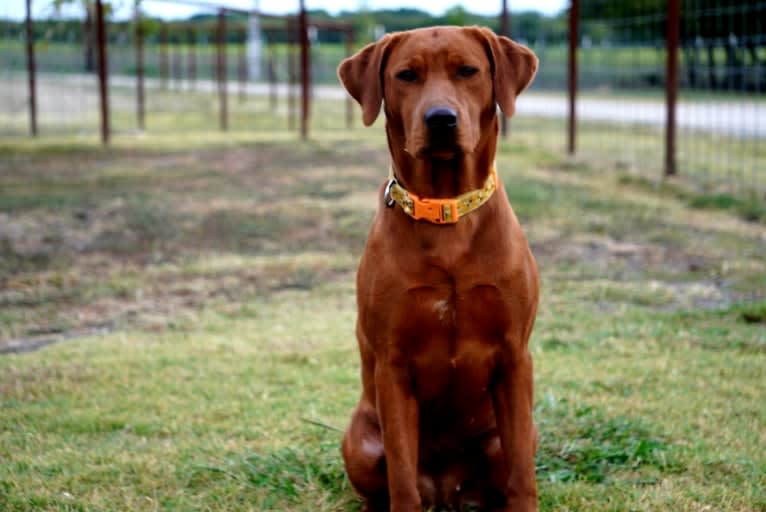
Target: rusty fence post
x=242 y=67
x=305 y=70
x=221 y=70
x=164 y=56
x=103 y=72
x=140 y=107
x=504 y=31
x=349 y=100
x=272 y=74
x=292 y=73
x=176 y=58
x=574 y=21
x=671 y=85
x=214 y=58
x=192 y=60
x=31 y=70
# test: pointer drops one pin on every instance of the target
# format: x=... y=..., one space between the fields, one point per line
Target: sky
x=41 y=8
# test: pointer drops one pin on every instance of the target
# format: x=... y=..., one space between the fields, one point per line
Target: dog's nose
x=441 y=118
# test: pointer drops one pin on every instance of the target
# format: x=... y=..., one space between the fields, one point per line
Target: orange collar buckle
x=437 y=211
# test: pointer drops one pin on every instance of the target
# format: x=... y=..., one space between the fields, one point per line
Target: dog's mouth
x=441 y=153
x=441 y=147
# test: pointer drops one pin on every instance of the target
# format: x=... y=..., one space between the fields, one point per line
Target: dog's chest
x=467 y=311
x=453 y=338
x=444 y=311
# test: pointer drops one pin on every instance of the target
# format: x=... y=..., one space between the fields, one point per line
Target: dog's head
x=440 y=85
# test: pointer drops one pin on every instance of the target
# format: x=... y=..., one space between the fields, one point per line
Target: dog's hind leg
x=364 y=458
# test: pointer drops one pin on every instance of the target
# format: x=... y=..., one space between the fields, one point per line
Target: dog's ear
x=513 y=67
x=362 y=76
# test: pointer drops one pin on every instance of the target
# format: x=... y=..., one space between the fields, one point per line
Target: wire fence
x=722 y=106
x=194 y=74
x=621 y=87
x=168 y=76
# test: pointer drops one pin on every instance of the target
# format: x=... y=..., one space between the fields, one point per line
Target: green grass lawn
x=202 y=285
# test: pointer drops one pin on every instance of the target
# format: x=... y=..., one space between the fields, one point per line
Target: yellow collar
x=439 y=211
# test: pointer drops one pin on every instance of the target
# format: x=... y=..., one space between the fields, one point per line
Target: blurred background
x=190 y=63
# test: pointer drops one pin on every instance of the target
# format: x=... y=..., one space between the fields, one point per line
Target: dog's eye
x=467 y=71
x=407 y=75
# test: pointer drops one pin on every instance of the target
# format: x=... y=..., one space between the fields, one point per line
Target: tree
x=456 y=15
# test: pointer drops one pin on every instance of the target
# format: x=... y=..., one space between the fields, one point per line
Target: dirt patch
x=650 y=275
x=620 y=259
x=155 y=297
x=82 y=236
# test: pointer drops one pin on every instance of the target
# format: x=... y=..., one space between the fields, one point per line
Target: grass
x=747 y=206
x=219 y=271
x=708 y=165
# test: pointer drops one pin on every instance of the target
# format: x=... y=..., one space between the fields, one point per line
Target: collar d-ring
x=387 y=199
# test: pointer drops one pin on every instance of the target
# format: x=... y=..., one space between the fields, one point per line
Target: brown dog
x=445 y=311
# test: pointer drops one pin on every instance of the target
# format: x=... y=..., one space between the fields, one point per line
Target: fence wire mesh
x=66 y=87
x=213 y=68
x=620 y=108
x=623 y=75
x=167 y=76
x=13 y=91
x=722 y=135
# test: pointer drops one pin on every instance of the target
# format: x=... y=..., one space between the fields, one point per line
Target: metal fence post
x=574 y=15
x=102 y=72
x=504 y=31
x=272 y=80
x=164 y=56
x=221 y=68
x=305 y=70
x=31 y=71
x=192 y=63
x=176 y=58
x=671 y=85
x=292 y=73
x=140 y=108
x=242 y=68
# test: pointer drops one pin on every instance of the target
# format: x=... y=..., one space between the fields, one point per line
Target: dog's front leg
x=512 y=397
x=398 y=411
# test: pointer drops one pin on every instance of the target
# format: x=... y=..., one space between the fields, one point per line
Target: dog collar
x=439 y=211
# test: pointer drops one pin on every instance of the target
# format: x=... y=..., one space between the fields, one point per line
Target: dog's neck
x=435 y=178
